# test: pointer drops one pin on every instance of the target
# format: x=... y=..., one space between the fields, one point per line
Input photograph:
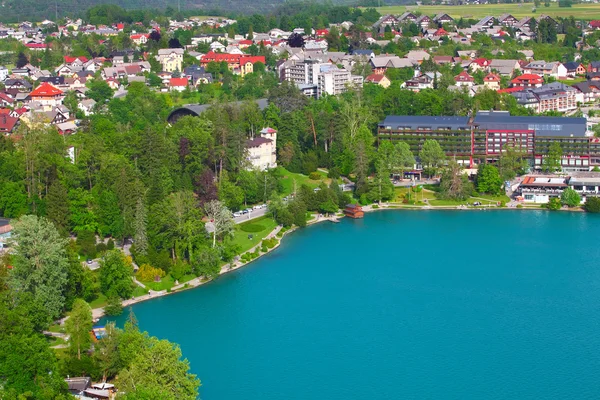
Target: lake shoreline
x=98 y=313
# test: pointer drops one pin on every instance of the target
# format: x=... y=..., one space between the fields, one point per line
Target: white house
x=262 y=150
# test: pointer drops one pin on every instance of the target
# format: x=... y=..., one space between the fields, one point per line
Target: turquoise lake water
x=401 y=305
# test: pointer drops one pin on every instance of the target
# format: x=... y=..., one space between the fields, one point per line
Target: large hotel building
x=474 y=140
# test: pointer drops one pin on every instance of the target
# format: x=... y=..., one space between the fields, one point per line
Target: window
x=528 y=197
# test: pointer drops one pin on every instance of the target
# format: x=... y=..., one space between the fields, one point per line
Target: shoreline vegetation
x=98 y=313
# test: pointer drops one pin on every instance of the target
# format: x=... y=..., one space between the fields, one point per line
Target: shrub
x=519 y=205
x=592 y=205
x=252 y=228
x=314 y=176
x=363 y=200
x=333 y=173
x=148 y=273
x=375 y=206
x=270 y=243
x=110 y=245
x=554 y=204
x=86 y=240
x=570 y=197
x=101 y=247
x=264 y=248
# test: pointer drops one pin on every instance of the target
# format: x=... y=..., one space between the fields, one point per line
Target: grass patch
x=288 y=179
x=401 y=192
x=56 y=328
x=139 y=291
x=241 y=239
x=187 y=278
x=55 y=341
x=100 y=301
x=579 y=11
x=166 y=283
x=252 y=227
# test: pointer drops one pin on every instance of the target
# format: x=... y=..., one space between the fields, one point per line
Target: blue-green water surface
x=401 y=305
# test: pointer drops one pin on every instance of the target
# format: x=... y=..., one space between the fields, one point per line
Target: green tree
x=488 y=179
x=511 y=163
x=221 y=218
x=40 y=263
x=570 y=198
x=78 y=327
x=99 y=91
x=158 y=372
x=141 y=221
x=432 y=155
x=57 y=207
x=454 y=184
x=115 y=275
x=592 y=204
x=552 y=161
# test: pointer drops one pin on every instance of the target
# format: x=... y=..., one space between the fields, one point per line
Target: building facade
x=262 y=150
x=483 y=138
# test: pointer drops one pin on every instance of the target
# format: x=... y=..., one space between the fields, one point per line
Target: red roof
x=69 y=59
x=178 y=82
x=440 y=32
x=595 y=23
x=511 y=90
x=36 y=45
x=6 y=98
x=7 y=123
x=321 y=32
x=252 y=59
x=491 y=78
x=528 y=78
x=45 y=90
x=246 y=41
x=464 y=77
x=120 y=26
x=375 y=78
x=138 y=36
x=482 y=62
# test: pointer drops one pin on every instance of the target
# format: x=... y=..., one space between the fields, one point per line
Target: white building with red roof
x=47 y=95
x=464 y=79
x=262 y=150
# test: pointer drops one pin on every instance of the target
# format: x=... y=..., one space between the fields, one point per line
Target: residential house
x=7 y=123
x=589 y=90
x=335 y=81
x=441 y=60
x=417 y=56
x=421 y=82
x=87 y=106
x=423 y=21
x=464 y=79
x=238 y=64
x=170 y=59
x=262 y=150
x=504 y=67
x=554 y=69
x=594 y=25
x=479 y=64
x=507 y=20
x=380 y=64
x=528 y=81
x=197 y=75
x=20 y=85
x=443 y=18
x=407 y=17
x=485 y=23
x=6 y=100
x=574 y=68
x=593 y=66
x=139 y=39
x=492 y=81
x=47 y=95
x=378 y=79
x=385 y=20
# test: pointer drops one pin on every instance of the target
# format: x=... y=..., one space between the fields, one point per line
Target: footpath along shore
x=98 y=313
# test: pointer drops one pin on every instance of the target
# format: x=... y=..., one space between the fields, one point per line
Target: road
x=251 y=215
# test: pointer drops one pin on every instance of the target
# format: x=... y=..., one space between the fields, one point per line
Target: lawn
x=300 y=179
x=400 y=193
x=99 y=302
x=579 y=11
x=259 y=228
x=139 y=291
x=166 y=283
